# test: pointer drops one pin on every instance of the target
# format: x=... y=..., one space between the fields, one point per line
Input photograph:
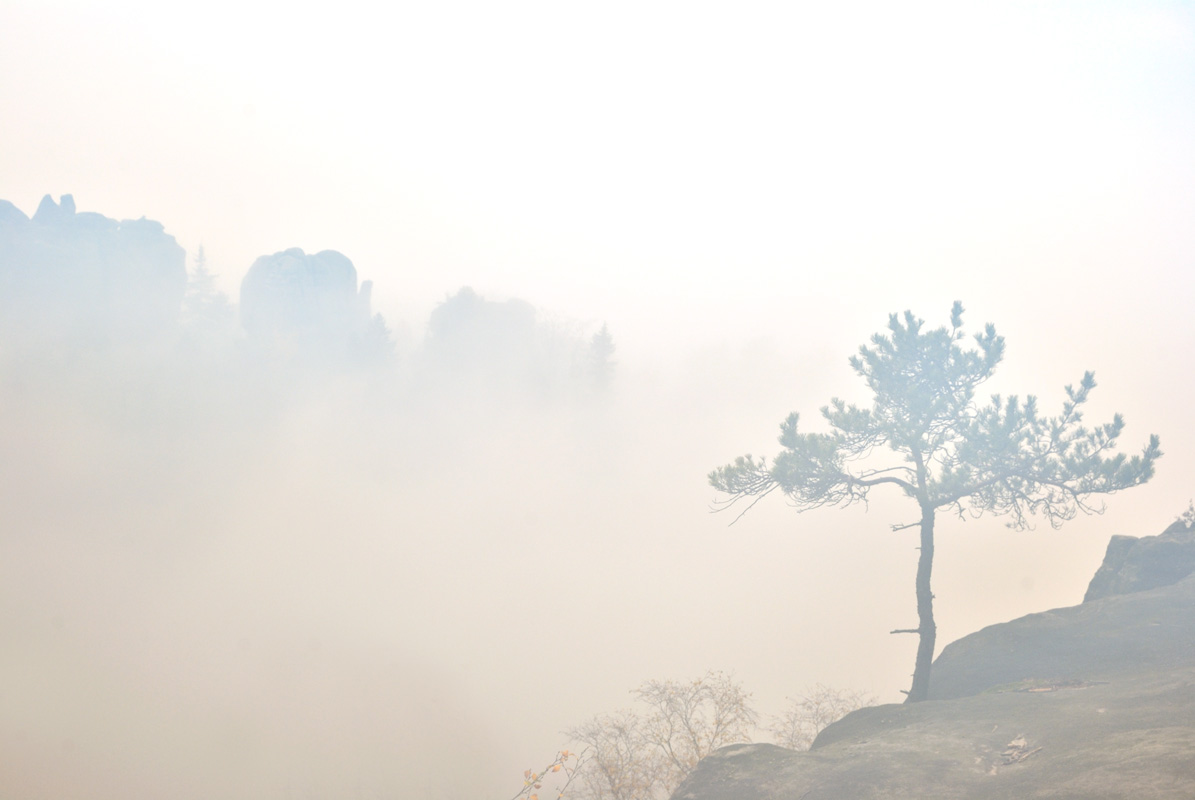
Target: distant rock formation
x=298 y=304
x=1135 y=565
x=479 y=346
x=469 y=333
x=85 y=278
x=11 y=215
x=1093 y=701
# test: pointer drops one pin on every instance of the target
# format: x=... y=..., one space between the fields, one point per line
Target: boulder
x=1136 y=564
x=1149 y=629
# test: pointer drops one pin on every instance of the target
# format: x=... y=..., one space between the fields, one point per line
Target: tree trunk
x=926 y=630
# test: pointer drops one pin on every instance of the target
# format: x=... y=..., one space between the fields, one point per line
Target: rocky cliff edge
x=1095 y=701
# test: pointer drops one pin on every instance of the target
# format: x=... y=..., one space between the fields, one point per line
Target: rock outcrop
x=483 y=341
x=85 y=278
x=1134 y=565
x=1093 y=701
x=1123 y=633
x=300 y=304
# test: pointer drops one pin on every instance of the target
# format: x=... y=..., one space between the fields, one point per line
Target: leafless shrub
x=689 y=720
x=620 y=763
x=806 y=716
x=644 y=756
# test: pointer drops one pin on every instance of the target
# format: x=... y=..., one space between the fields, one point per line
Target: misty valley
x=278 y=546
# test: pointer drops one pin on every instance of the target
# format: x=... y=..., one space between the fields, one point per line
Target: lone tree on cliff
x=999 y=457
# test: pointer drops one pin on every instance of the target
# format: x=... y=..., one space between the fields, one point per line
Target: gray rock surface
x=1134 y=565
x=1094 y=701
x=1131 y=736
x=1143 y=630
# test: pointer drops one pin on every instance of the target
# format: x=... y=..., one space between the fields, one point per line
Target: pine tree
x=998 y=457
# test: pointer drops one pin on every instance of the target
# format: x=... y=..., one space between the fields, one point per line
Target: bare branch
x=750 y=506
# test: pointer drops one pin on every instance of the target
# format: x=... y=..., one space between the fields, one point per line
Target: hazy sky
x=679 y=169
x=743 y=191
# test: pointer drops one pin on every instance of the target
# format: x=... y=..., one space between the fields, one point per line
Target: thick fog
x=404 y=473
